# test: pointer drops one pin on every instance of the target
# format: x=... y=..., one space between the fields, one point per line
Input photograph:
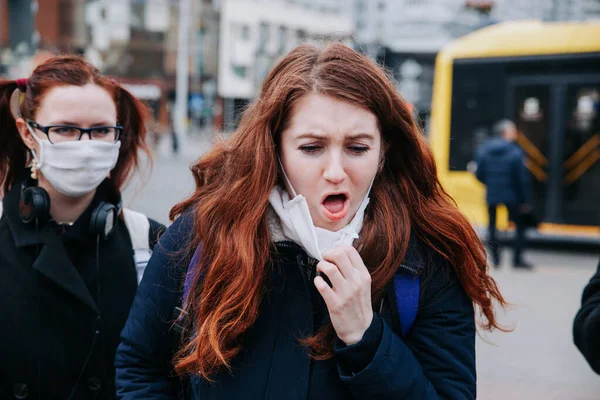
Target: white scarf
x=298 y=225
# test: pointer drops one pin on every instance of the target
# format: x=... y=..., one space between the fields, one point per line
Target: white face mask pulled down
x=75 y=168
x=298 y=225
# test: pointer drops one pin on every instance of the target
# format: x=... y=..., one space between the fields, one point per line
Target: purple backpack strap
x=178 y=311
x=406 y=293
x=190 y=273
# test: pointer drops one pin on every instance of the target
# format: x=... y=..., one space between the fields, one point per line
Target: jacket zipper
x=310 y=263
x=312 y=266
x=412 y=270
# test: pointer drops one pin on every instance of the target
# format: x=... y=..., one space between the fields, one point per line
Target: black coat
x=435 y=360
x=57 y=310
x=586 y=328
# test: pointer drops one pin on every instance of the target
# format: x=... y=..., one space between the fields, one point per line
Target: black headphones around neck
x=35 y=205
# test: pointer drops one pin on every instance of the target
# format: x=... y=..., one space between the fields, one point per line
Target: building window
x=239 y=70
x=283 y=39
x=360 y=6
x=137 y=16
x=263 y=37
x=240 y=32
x=245 y=32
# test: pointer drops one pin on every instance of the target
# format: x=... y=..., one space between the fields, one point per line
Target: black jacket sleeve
x=437 y=358
x=356 y=357
x=586 y=328
x=144 y=357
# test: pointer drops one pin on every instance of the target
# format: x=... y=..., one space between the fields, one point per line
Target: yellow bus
x=546 y=78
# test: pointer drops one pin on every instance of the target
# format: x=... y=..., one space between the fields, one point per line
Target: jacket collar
x=417 y=257
x=415 y=261
x=54 y=263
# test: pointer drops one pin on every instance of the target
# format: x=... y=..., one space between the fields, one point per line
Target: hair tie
x=22 y=84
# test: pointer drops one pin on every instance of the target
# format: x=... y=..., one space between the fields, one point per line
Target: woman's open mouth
x=335 y=206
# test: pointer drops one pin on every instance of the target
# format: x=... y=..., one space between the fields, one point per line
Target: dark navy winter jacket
x=586 y=327
x=501 y=168
x=436 y=360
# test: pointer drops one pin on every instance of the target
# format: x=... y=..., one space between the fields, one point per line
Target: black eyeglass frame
x=82 y=131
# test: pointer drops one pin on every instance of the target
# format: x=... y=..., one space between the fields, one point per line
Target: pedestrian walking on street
x=586 y=328
x=70 y=258
x=501 y=168
x=318 y=258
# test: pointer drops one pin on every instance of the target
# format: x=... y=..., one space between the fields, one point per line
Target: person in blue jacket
x=277 y=278
x=501 y=168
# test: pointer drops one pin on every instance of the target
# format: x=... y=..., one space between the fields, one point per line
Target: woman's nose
x=334 y=171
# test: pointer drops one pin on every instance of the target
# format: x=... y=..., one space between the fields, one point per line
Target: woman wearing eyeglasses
x=70 y=256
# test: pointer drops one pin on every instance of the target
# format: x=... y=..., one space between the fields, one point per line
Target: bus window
x=532 y=115
x=477 y=103
x=581 y=159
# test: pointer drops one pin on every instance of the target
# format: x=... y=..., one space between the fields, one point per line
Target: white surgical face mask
x=298 y=225
x=75 y=168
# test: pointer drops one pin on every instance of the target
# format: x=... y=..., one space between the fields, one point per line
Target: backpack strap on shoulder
x=178 y=313
x=406 y=293
x=138 y=226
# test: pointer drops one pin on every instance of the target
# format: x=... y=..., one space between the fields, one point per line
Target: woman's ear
x=26 y=134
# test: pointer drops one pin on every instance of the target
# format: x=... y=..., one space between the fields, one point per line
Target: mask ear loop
x=37 y=159
x=286 y=178
x=366 y=200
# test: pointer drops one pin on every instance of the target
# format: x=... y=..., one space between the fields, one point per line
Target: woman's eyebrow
x=311 y=135
x=362 y=135
x=71 y=123
x=354 y=136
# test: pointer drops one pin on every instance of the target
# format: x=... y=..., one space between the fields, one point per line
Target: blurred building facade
x=254 y=34
x=233 y=43
x=547 y=10
x=133 y=40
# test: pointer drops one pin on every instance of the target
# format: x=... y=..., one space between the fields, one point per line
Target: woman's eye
x=358 y=149
x=62 y=130
x=101 y=131
x=310 y=149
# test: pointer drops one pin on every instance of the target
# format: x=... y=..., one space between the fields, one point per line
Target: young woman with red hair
x=69 y=139
x=300 y=223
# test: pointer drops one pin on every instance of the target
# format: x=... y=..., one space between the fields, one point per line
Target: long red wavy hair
x=234 y=179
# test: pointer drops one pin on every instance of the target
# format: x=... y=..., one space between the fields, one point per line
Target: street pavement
x=537 y=360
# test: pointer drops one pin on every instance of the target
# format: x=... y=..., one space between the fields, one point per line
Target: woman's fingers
x=349 y=262
x=326 y=292
x=349 y=299
x=357 y=262
x=339 y=257
x=333 y=274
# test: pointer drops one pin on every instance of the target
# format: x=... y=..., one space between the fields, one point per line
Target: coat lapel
x=54 y=263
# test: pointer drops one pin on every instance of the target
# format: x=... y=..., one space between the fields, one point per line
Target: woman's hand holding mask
x=349 y=298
